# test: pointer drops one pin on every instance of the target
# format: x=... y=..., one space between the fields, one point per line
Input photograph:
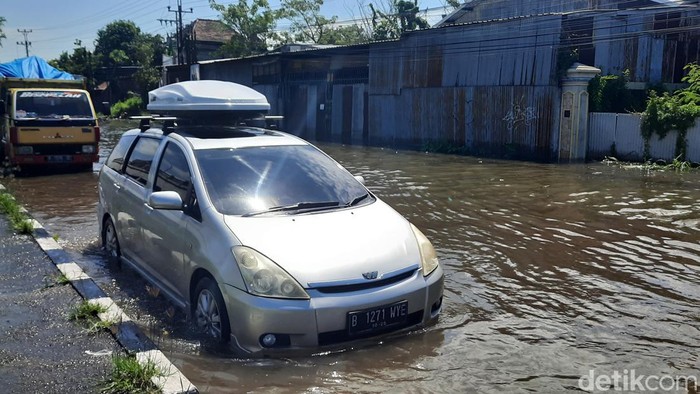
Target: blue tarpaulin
x=32 y=67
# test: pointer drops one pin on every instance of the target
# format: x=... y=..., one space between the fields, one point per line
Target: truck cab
x=47 y=123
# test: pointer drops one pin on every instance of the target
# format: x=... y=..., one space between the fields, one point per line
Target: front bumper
x=322 y=319
x=31 y=160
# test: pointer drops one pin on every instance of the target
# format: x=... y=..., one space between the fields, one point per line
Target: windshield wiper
x=357 y=200
x=306 y=206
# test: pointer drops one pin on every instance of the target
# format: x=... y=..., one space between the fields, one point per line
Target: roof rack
x=145 y=122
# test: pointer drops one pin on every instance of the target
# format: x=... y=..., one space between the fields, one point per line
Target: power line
x=26 y=42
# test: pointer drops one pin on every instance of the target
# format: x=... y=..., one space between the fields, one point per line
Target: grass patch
x=129 y=376
x=55 y=237
x=20 y=221
x=59 y=279
x=86 y=313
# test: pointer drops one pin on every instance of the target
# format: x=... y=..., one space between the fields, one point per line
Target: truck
x=48 y=120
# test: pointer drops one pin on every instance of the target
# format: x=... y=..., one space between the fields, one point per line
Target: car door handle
x=117 y=186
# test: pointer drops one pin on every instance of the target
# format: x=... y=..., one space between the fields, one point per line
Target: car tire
x=110 y=241
x=209 y=311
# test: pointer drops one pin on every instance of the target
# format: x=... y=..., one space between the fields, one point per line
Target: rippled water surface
x=551 y=271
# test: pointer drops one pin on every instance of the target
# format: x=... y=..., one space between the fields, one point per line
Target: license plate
x=377 y=319
x=60 y=158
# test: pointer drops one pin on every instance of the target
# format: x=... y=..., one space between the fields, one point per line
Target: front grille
x=367 y=285
x=58 y=149
x=340 y=336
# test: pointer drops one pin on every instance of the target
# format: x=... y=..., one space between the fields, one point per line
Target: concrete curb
x=127 y=333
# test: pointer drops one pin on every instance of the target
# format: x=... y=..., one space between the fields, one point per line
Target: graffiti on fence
x=519 y=114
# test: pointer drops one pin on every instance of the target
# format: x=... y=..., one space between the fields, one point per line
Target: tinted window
x=141 y=158
x=249 y=180
x=116 y=158
x=173 y=172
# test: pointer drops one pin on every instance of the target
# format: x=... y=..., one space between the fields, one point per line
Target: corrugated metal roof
x=472 y=9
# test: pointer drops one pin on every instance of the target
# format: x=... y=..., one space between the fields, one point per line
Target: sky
x=56 y=24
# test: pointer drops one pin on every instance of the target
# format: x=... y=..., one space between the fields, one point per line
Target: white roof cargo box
x=211 y=96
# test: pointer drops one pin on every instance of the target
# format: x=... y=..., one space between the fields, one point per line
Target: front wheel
x=110 y=241
x=210 y=314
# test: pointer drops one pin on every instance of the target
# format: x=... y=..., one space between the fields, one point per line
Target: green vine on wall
x=609 y=93
x=676 y=111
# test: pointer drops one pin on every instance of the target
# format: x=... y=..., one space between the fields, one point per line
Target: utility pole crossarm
x=26 y=42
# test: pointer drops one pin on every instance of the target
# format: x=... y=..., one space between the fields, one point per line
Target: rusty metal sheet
x=385 y=68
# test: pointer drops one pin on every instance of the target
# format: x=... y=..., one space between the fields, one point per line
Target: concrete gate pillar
x=573 y=125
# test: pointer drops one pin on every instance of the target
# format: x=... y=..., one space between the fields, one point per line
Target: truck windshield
x=52 y=104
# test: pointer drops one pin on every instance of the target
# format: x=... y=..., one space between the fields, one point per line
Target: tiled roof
x=211 y=30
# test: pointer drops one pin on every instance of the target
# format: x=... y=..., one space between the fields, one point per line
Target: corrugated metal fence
x=620 y=135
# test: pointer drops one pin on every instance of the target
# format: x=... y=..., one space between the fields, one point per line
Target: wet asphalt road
x=41 y=350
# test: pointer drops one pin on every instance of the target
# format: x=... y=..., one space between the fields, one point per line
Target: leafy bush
x=676 y=111
x=609 y=93
x=129 y=107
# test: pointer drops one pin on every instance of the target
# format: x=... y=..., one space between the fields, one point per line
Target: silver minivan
x=267 y=241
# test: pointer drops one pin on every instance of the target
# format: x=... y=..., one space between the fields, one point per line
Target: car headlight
x=428 y=257
x=88 y=149
x=263 y=277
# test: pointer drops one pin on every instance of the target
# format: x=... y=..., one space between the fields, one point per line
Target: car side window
x=174 y=175
x=173 y=172
x=116 y=158
x=139 y=164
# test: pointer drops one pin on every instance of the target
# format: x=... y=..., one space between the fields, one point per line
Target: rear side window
x=173 y=172
x=116 y=158
x=139 y=164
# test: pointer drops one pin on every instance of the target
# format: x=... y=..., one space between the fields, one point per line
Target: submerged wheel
x=110 y=241
x=210 y=314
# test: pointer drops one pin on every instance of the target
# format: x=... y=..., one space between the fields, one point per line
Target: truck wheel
x=210 y=314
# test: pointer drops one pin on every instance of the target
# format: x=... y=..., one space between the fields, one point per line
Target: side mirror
x=360 y=179
x=168 y=200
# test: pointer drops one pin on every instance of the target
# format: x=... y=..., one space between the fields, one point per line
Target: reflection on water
x=551 y=271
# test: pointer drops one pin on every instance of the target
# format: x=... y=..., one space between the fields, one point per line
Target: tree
x=344 y=35
x=116 y=44
x=121 y=43
x=308 y=25
x=253 y=24
x=401 y=17
x=2 y=33
x=80 y=62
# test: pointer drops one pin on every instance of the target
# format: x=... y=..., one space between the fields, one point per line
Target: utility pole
x=168 y=37
x=26 y=43
x=180 y=31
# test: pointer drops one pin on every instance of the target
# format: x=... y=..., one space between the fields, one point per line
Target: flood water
x=551 y=272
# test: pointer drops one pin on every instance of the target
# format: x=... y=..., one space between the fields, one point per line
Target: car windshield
x=290 y=179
